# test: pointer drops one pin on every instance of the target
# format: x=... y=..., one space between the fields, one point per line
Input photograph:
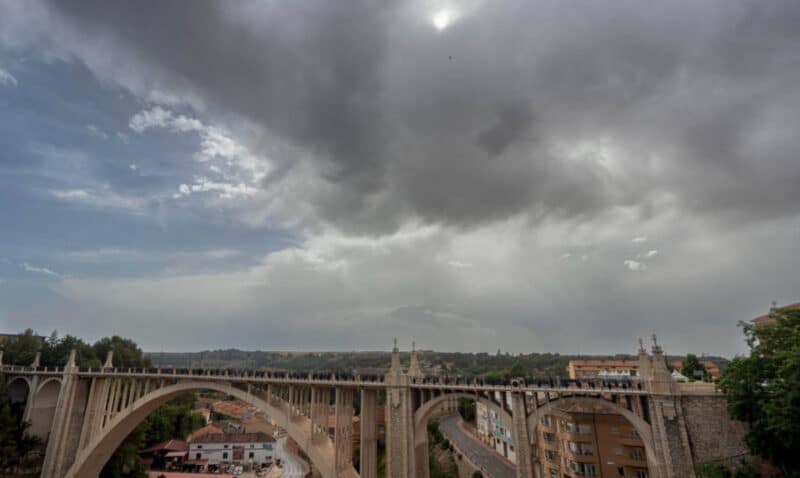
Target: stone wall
x=713 y=435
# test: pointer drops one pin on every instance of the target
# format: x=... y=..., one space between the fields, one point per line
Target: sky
x=475 y=175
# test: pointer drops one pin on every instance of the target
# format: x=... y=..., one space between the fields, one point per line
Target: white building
x=238 y=448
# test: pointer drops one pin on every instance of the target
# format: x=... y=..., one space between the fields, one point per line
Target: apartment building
x=588 y=443
x=575 y=442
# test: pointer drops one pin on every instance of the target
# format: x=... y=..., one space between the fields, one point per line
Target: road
x=293 y=465
x=476 y=451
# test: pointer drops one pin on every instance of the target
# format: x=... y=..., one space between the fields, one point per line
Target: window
x=198 y=456
x=549 y=437
x=618 y=451
x=614 y=429
x=641 y=473
x=199 y=446
x=547 y=420
x=551 y=455
x=584 y=469
x=584 y=428
x=226 y=446
x=225 y=455
x=251 y=455
x=553 y=474
x=621 y=471
x=637 y=454
x=252 y=446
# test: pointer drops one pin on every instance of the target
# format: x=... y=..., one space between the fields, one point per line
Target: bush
x=444 y=444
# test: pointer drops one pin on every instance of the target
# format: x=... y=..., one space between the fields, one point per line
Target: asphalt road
x=293 y=466
x=478 y=453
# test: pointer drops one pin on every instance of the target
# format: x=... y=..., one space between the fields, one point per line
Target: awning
x=175 y=454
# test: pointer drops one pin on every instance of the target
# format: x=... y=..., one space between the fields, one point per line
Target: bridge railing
x=582 y=386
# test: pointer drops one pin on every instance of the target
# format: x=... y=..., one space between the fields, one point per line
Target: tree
x=22 y=349
x=764 y=390
x=517 y=370
x=15 y=442
x=467 y=409
x=55 y=352
x=691 y=366
x=126 y=352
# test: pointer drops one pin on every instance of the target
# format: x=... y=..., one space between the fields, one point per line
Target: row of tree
x=22 y=349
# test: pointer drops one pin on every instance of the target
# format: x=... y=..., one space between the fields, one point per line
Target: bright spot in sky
x=442 y=19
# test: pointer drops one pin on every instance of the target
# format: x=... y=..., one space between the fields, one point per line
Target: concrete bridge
x=85 y=413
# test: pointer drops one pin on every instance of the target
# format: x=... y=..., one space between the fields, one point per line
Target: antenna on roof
x=773 y=305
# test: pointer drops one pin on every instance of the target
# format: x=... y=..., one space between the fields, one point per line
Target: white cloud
x=651 y=253
x=39 y=270
x=7 y=79
x=566 y=256
x=133 y=167
x=97 y=132
x=635 y=265
x=584 y=258
x=101 y=199
x=459 y=264
x=639 y=239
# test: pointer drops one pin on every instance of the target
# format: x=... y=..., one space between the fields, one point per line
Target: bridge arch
x=42 y=408
x=90 y=461
x=426 y=411
x=19 y=388
x=643 y=429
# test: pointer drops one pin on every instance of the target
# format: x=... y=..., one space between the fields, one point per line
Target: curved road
x=476 y=451
x=293 y=466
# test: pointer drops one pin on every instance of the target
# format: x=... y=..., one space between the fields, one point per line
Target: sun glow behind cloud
x=443 y=18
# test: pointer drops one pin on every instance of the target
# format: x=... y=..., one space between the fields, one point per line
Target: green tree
x=691 y=366
x=764 y=390
x=467 y=409
x=55 y=352
x=22 y=349
x=15 y=442
x=517 y=370
x=126 y=352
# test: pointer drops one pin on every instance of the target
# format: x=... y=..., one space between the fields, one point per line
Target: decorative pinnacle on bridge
x=641 y=346
x=656 y=347
x=395 y=343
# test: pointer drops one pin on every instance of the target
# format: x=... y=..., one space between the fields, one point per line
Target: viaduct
x=84 y=414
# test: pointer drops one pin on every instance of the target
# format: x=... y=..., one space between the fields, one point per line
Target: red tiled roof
x=257 y=437
x=169 y=445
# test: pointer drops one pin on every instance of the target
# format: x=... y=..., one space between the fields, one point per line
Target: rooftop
x=257 y=437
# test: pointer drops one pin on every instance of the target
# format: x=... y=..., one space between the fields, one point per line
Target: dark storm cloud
x=475 y=123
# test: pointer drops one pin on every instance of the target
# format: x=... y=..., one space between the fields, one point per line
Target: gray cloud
x=475 y=123
x=521 y=131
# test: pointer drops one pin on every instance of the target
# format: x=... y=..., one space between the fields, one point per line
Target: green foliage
x=517 y=370
x=55 y=352
x=126 y=352
x=21 y=349
x=15 y=442
x=764 y=390
x=444 y=444
x=467 y=409
x=434 y=432
x=691 y=365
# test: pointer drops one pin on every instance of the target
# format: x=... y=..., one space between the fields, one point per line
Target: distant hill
x=445 y=362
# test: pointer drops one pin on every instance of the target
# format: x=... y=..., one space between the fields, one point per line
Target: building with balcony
x=583 y=442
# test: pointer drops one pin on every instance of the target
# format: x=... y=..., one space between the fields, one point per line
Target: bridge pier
x=343 y=434
x=368 y=460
